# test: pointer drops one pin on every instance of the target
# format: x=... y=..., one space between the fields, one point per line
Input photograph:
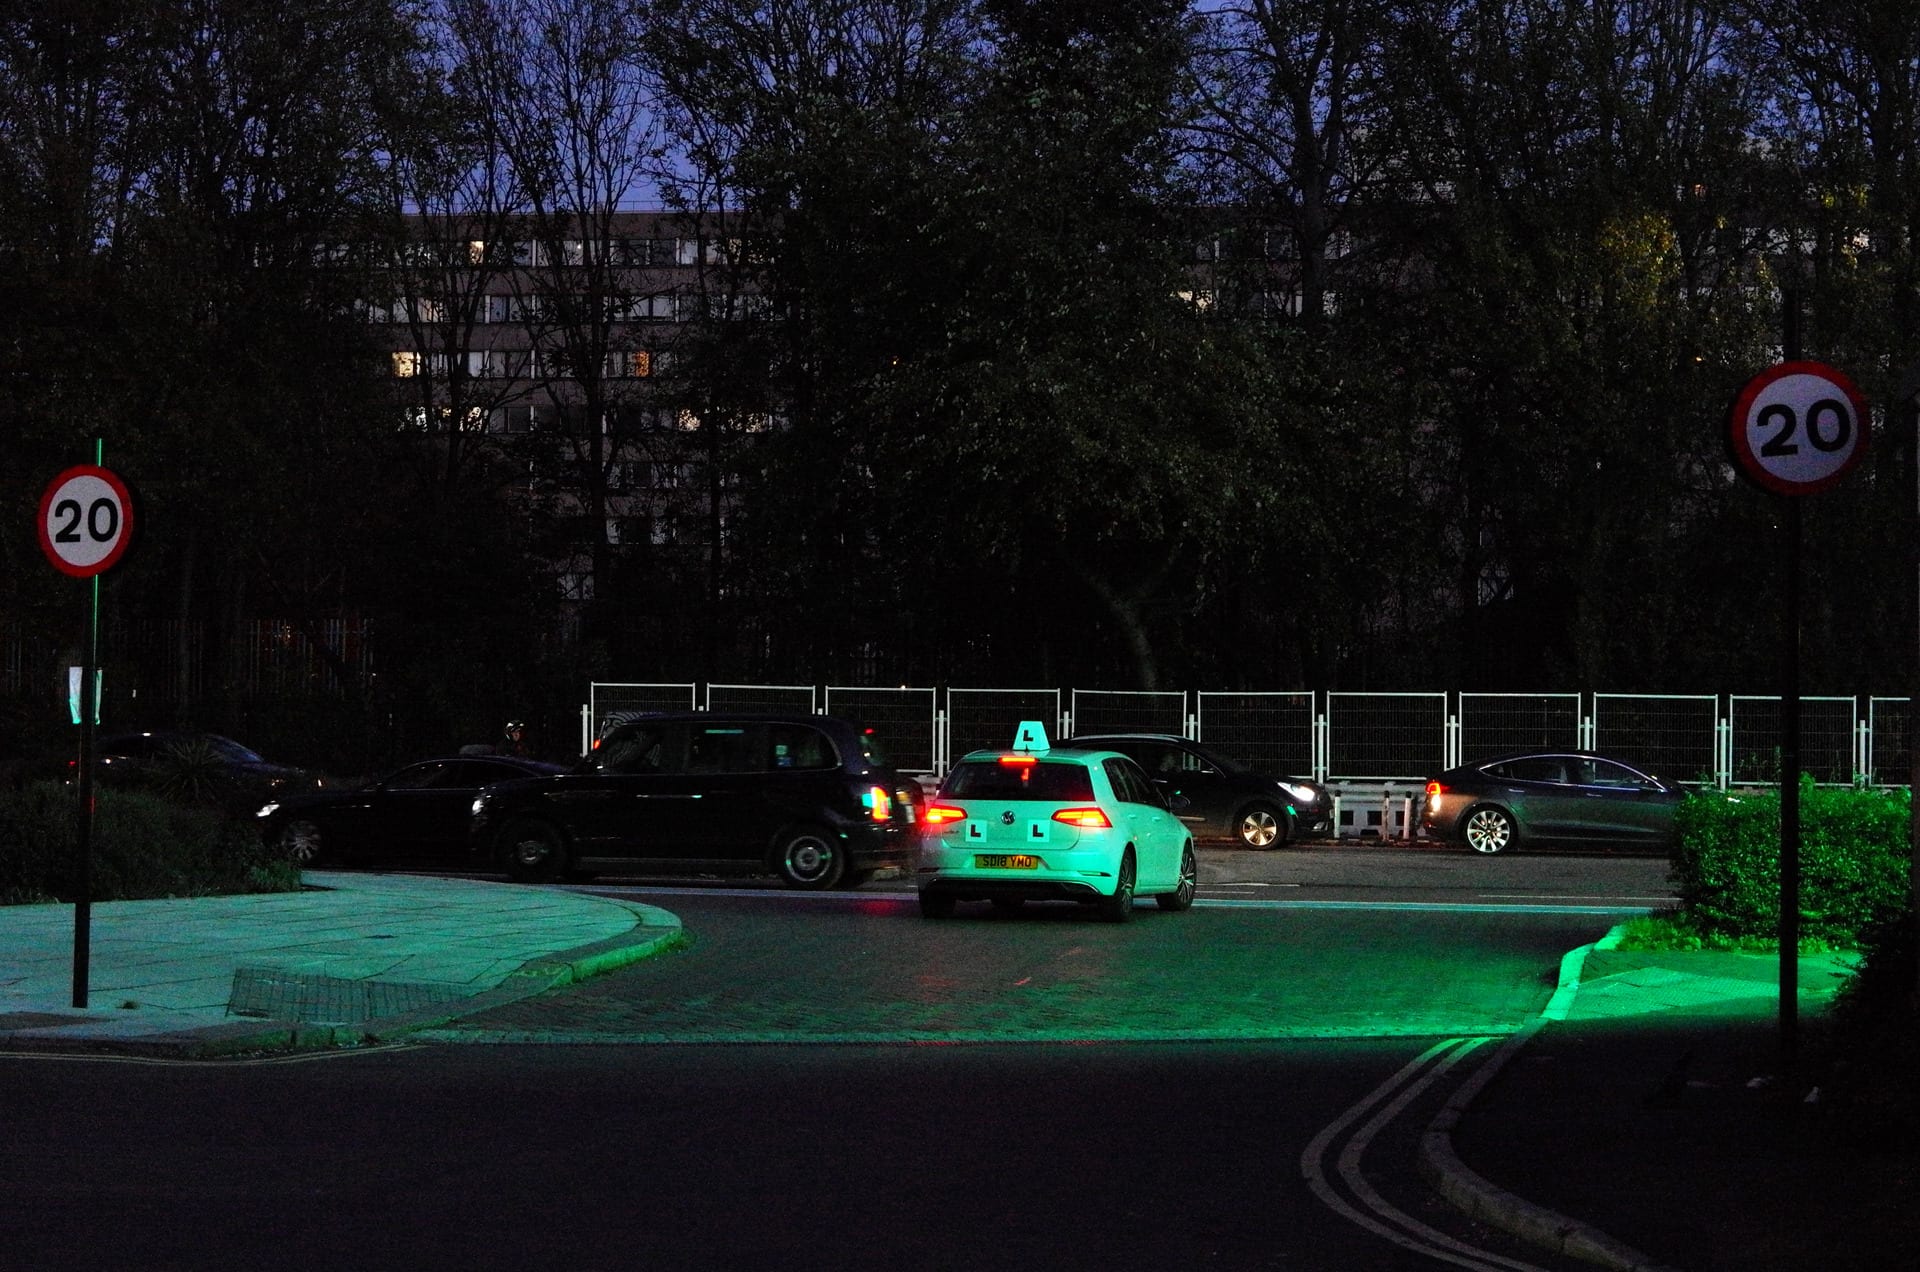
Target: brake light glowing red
x=941 y=814
x=1434 y=788
x=880 y=803
x=1018 y=760
x=1085 y=818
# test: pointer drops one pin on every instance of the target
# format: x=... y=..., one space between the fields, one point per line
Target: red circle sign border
x=106 y=562
x=1737 y=425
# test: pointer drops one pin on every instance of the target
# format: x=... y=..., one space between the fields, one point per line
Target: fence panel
x=1386 y=736
x=795 y=698
x=979 y=719
x=1493 y=724
x=1272 y=732
x=1130 y=711
x=903 y=719
x=604 y=698
x=1670 y=735
x=1826 y=739
x=1890 y=762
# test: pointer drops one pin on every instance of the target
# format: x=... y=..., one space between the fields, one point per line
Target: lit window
x=406 y=364
x=640 y=363
x=476 y=252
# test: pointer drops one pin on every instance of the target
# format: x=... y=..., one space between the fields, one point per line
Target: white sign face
x=86 y=517
x=1798 y=427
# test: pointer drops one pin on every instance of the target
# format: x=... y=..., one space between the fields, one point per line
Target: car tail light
x=879 y=803
x=1434 y=788
x=941 y=814
x=1018 y=761
x=1085 y=818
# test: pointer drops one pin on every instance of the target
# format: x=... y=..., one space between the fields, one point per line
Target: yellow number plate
x=1017 y=861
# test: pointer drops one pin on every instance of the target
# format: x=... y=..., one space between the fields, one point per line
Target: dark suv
x=1225 y=798
x=807 y=797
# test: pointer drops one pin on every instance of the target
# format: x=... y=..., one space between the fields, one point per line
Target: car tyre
x=1489 y=830
x=810 y=858
x=936 y=905
x=535 y=851
x=1260 y=827
x=302 y=843
x=1181 y=898
x=1118 y=908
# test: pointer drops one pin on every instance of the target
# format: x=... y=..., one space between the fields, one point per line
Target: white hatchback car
x=1037 y=823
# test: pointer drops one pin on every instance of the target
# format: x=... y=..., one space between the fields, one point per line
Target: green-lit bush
x=143 y=846
x=1854 y=858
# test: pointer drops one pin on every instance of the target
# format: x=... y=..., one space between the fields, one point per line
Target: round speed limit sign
x=1798 y=427
x=86 y=518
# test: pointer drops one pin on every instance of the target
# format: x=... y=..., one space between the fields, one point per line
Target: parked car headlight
x=269 y=808
x=479 y=804
x=1298 y=793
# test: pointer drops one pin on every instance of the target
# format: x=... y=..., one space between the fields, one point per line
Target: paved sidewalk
x=1646 y=1122
x=352 y=959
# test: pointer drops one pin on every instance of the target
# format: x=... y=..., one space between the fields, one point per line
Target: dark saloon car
x=416 y=815
x=1225 y=798
x=806 y=797
x=185 y=760
x=1571 y=797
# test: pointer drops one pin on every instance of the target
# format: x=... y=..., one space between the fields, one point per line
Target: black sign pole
x=89 y=707
x=83 y=900
x=1790 y=796
x=1789 y=931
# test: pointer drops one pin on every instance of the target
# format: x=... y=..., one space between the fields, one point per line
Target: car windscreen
x=1041 y=781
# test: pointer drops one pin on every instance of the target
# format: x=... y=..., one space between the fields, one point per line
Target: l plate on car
x=1005 y=861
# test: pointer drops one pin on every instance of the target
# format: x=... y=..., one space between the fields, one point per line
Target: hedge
x=1855 y=862
x=143 y=846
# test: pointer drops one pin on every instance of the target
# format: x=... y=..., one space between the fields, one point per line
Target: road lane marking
x=1393 y=1225
x=1202 y=902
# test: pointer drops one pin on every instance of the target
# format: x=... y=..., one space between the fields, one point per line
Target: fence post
x=586 y=728
x=1322 y=747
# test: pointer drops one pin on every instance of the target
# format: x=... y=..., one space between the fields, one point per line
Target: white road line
x=246 y=1062
x=1404 y=1086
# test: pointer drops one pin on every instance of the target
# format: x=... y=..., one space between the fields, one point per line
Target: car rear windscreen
x=1042 y=780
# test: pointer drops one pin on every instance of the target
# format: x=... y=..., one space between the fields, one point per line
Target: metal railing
x=1375 y=742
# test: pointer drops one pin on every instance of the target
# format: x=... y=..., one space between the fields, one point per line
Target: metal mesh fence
x=1670 y=735
x=903 y=719
x=1352 y=736
x=979 y=719
x=1889 y=762
x=1129 y=711
x=1272 y=732
x=760 y=698
x=1826 y=739
x=1386 y=735
x=1494 y=724
x=605 y=699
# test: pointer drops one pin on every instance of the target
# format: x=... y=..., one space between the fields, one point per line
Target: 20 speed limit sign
x=86 y=518
x=1798 y=427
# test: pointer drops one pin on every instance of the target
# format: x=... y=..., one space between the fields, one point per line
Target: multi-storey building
x=555 y=344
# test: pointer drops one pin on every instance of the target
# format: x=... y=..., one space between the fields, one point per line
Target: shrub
x=1854 y=859
x=143 y=846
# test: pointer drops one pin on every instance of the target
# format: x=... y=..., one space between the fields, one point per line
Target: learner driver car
x=1043 y=823
x=1553 y=796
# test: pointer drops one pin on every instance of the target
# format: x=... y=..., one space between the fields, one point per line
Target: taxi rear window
x=1041 y=780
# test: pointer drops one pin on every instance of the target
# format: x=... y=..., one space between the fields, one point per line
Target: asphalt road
x=1232 y=1087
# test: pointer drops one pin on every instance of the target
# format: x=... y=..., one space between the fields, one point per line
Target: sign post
x=86 y=520
x=1795 y=429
